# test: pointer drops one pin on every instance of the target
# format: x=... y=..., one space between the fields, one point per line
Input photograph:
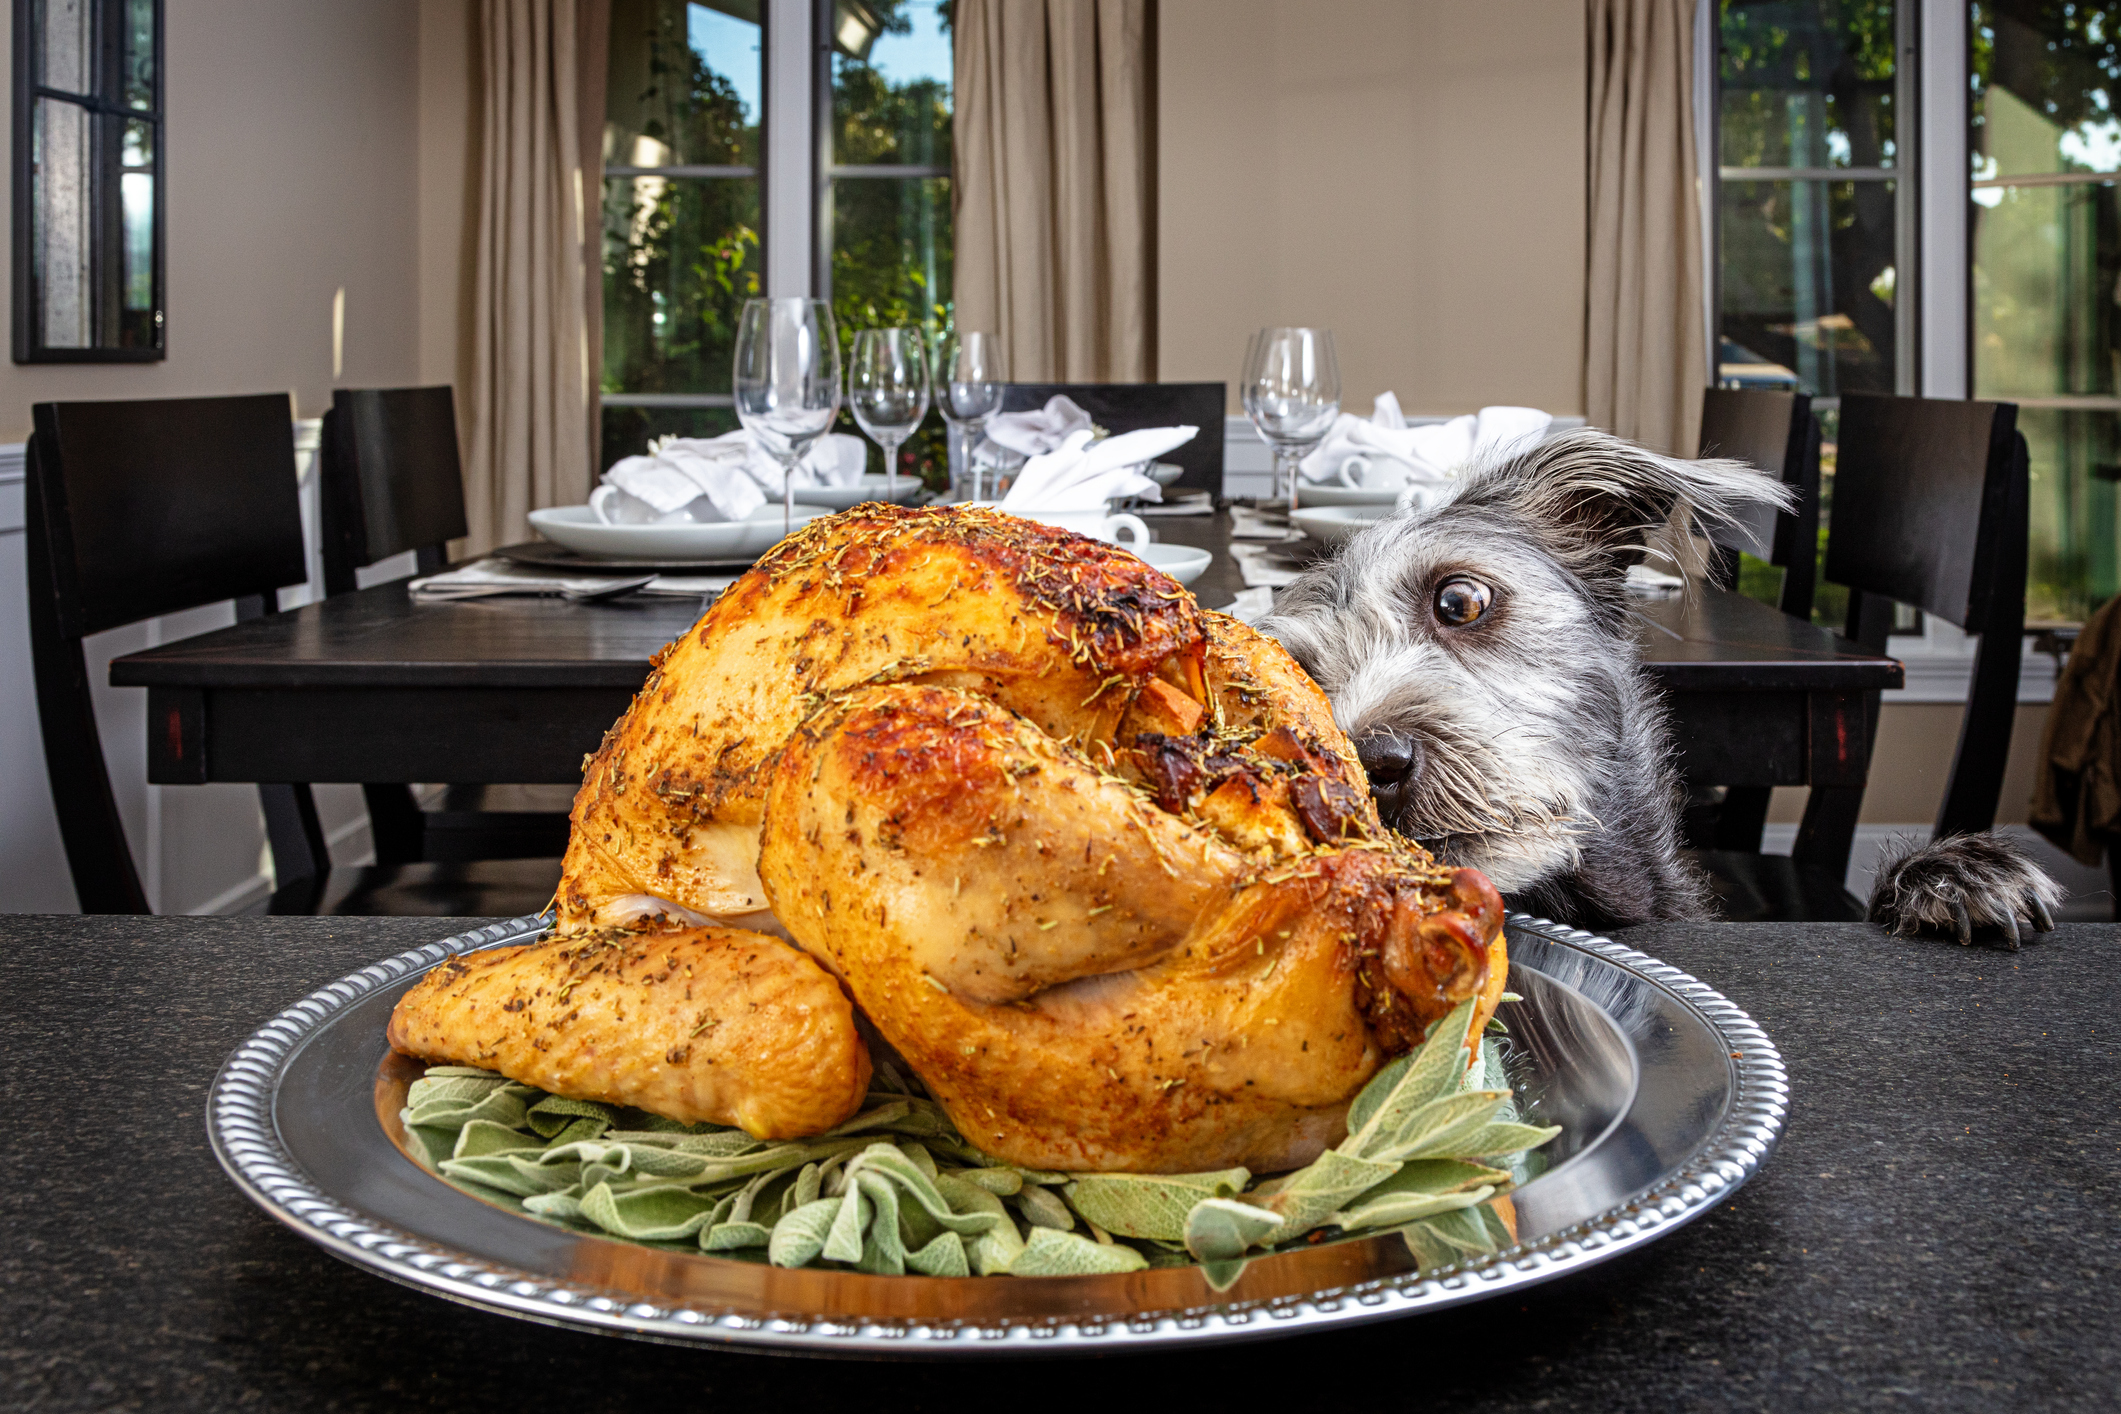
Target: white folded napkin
x=704 y=480
x=1383 y=451
x=1264 y=567
x=1080 y=475
x=1031 y=433
x=487 y=578
x=1249 y=524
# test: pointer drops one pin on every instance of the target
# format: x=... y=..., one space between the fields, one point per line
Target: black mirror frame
x=27 y=343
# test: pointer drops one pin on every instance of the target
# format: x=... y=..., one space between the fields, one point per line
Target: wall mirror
x=89 y=194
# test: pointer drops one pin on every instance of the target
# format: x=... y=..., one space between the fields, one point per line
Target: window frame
x=105 y=254
x=795 y=171
x=1911 y=133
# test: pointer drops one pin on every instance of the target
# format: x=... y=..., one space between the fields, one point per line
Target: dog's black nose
x=1389 y=759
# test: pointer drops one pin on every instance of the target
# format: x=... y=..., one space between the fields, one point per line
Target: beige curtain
x=536 y=303
x=1054 y=185
x=1644 y=360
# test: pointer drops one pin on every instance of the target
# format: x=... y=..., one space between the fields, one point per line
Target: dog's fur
x=1542 y=755
x=1960 y=883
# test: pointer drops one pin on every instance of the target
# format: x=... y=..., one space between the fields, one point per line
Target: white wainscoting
x=199 y=849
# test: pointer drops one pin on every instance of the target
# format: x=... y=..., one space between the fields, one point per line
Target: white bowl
x=1184 y=563
x=869 y=488
x=579 y=530
x=1334 y=524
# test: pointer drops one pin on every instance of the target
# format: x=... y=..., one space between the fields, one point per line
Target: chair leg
x=297 y=839
x=1827 y=837
x=1742 y=818
x=396 y=823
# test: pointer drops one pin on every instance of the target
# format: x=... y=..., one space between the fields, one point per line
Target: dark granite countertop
x=1940 y=1228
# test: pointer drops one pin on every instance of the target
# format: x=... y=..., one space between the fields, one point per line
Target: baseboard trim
x=350 y=839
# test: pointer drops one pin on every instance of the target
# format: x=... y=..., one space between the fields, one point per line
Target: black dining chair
x=1930 y=506
x=391 y=482
x=140 y=509
x=1776 y=432
x=1128 y=407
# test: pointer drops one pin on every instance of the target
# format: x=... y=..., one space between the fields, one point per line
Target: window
x=684 y=105
x=887 y=204
x=88 y=181
x=2046 y=150
x=1812 y=227
x=735 y=167
x=1815 y=219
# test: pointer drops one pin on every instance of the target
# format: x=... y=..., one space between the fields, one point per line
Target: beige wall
x=297 y=165
x=1914 y=752
x=1409 y=173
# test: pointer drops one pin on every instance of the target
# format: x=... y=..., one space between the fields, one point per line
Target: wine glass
x=787 y=381
x=1292 y=395
x=887 y=391
x=968 y=390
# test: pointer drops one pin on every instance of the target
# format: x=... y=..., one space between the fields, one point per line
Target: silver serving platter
x=1669 y=1097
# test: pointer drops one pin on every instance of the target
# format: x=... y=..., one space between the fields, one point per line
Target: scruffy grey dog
x=1480 y=655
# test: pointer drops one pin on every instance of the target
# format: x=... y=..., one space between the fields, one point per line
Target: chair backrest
x=136 y=509
x=1776 y=432
x=1930 y=507
x=1127 y=407
x=390 y=480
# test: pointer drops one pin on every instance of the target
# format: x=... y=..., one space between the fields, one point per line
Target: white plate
x=1183 y=563
x=1334 y=524
x=1334 y=495
x=869 y=488
x=579 y=530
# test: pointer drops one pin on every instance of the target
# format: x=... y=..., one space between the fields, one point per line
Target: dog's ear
x=1604 y=503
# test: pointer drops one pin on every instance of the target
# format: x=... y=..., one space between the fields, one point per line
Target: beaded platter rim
x=247 y=1143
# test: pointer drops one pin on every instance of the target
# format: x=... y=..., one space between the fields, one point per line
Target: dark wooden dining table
x=1939 y=1228
x=378 y=686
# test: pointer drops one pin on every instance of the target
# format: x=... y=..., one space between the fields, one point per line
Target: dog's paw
x=1961 y=883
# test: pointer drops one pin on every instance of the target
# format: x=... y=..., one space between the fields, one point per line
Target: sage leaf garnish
x=1149 y=1205
x=1432 y=1139
x=1221 y=1229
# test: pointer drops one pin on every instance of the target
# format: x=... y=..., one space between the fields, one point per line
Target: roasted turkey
x=1096 y=864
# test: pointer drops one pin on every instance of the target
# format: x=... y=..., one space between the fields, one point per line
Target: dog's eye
x=1461 y=601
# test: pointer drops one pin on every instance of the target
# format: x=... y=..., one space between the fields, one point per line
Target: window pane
x=2073 y=518
x=680 y=258
x=683 y=85
x=890 y=252
x=2046 y=264
x=68 y=52
x=1807 y=84
x=1807 y=285
x=138 y=73
x=627 y=431
x=891 y=76
x=62 y=161
x=2046 y=79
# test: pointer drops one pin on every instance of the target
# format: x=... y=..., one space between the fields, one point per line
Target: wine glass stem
x=787 y=498
x=1285 y=459
x=890 y=466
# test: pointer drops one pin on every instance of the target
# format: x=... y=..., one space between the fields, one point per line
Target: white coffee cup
x=1358 y=471
x=1116 y=528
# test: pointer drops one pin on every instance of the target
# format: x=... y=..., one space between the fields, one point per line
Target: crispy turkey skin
x=1098 y=864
